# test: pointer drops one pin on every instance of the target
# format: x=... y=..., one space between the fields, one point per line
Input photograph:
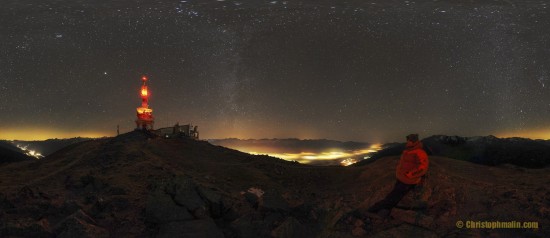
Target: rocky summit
x=135 y=185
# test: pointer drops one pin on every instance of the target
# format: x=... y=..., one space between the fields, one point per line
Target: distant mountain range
x=486 y=150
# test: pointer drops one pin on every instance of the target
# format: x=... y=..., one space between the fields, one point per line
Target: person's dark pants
x=392 y=199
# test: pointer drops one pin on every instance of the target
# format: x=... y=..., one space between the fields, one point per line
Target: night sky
x=369 y=71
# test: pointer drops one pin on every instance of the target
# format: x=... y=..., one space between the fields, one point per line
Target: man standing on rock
x=411 y=168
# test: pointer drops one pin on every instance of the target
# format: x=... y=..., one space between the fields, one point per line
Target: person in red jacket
x=410 y=169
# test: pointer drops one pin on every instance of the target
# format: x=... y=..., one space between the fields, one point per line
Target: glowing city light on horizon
x=348 y=162
x=309 y=157
x=31 y=153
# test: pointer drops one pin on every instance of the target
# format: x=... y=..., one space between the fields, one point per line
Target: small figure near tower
x=145 y=118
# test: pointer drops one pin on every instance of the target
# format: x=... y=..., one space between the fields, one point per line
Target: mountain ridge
x=486 y=150
x=137 y=186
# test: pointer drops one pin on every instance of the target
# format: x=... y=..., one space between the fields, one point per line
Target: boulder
x=79 y=224
x=202 y=228
x=161 y=208
x=405 y=231
x=289 y=228
x=91 y=183
x=185 y=193
x=117 y=191
x=246 y=226
x=26 y=193
x=273 y=201
x=358 y=231
x=413 y=217
x=104 y=207
x=213 y=201
x=252 y=199
x=27 y=230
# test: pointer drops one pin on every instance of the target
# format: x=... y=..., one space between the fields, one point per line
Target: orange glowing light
x=348 y=162
x=144 y=113
x=308 y=157
x=142 y=110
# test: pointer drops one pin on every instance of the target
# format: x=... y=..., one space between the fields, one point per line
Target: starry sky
x=363 y=70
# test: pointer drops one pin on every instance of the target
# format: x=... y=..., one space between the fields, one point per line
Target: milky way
x=356 y=70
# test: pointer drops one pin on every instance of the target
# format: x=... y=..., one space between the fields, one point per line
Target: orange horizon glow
x=44 y=134
x=534 y=134
x=142 y=110
x=36 y=133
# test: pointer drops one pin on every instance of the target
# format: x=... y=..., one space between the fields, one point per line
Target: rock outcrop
x=137 y=186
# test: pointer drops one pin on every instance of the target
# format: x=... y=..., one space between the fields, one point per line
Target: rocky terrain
x=136 y=186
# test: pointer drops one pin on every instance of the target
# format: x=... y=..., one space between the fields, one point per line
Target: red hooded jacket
x=413 y=163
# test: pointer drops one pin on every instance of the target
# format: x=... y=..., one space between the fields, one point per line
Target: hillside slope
x=10 y=153
x=135 y=186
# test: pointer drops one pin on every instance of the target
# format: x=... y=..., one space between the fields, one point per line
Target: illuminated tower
x=145 y=119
